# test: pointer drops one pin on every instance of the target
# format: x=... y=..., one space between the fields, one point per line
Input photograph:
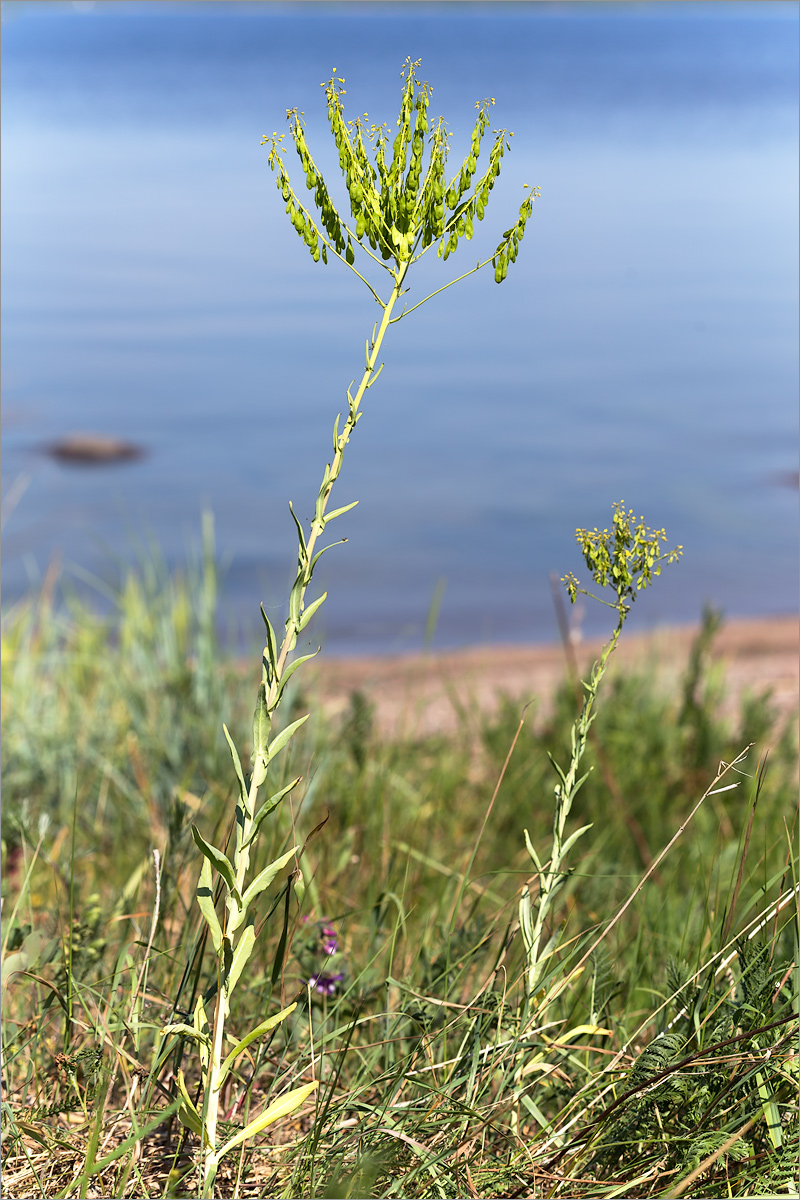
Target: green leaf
x=301 y=536
x=532 y=852
x=337 y=512
x=770 y=1110
x=237 y=766
x=187 y=1113
x=261 y=727
x=320 y=553
x=244 y=948
x=258 y=1032
x=283 y=737
x=557 y=768
x=572 y=839
x=292 y=667
x=269 y=806
x=261 y=723
x=279 y=1108
x=261 y=881
x=272 y=643
x=312 y=608
x=216 y=858
x=205 y=901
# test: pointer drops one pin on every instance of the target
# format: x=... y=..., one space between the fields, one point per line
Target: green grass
x=672 y=1048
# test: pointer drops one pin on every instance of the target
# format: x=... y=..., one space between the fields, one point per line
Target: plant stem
x=242 y=857
x=552 y=879
x=318 y=524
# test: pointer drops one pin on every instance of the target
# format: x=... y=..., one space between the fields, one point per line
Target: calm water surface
x=643 y=347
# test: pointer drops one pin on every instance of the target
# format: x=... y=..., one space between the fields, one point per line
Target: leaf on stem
x=283 y=737
x=258 y=1032
x=205 y=901
x=187 y=1113
x=279 y=1108
x=272 y=643
x=237 y=766
x=261 y=881
x=337 y=512
x=244 y=948
x=572 y=839
x=312 y=608
x=217 y=860
x=269 y=806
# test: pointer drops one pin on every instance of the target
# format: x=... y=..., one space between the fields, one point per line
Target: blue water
x=643 y=347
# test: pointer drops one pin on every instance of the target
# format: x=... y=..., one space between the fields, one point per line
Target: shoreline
x=431 y=692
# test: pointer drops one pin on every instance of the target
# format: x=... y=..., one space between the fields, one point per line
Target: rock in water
x=93 y=449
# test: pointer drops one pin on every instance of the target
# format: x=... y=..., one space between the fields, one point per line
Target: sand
x=429 y=693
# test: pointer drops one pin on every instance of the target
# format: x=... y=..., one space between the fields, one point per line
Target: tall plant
x=625 y=559
x=402 y=204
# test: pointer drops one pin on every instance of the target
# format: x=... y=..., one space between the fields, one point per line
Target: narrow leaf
x=337 y=512
x=301 y=536
x=272 y=642
x=532 y=852
x=292 y=667
x=312 y=608
x=269 y=806
x=187 y=1113
x=205 y=901
x=216 y=858
x=263 y=880
x=572 y=839
x=237 y=766
x=244 y=949
x=258 y=1032
x=557 y=768
x=279 y=1108
x=319 y=554
x=770 y=1110
x=261 y=724
x=283 y=737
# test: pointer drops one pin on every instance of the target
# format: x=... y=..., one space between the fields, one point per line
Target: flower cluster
x=322 y=940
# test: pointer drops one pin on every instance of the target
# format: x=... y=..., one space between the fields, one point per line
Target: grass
x=665 y=1065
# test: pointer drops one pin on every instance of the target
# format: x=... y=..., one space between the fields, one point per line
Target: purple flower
x=330 y=940
x=326 y=984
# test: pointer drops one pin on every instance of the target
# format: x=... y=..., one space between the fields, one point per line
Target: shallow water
x=643 y=347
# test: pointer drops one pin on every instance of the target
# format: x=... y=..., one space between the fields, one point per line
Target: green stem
x=242 y=857
x=551 y=879
x=318 y=524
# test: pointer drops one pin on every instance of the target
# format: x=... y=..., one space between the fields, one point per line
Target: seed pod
x=361 y=225
x=311 y=180
x=349 y=253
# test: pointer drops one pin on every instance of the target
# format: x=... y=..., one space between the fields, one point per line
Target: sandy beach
x=425 y=693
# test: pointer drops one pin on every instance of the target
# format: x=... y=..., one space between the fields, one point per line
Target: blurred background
x=644 y=346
